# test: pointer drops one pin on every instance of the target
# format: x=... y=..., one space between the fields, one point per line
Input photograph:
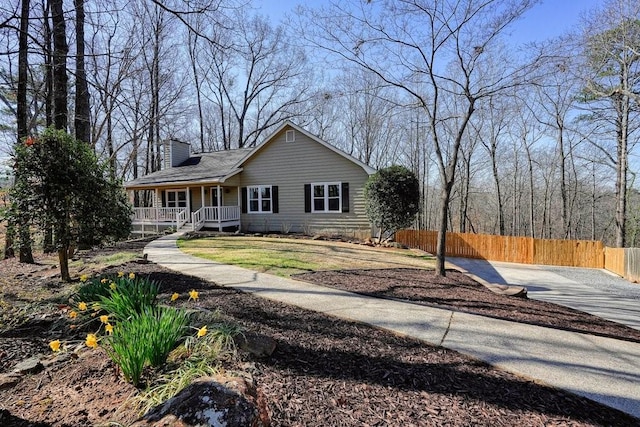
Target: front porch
x=188 y=208
x=157 y=219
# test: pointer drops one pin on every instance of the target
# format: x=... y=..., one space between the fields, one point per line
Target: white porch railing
x=222 y=213
x=197 y=219
x=156 y=214
x=179 y=216
x=181 y=219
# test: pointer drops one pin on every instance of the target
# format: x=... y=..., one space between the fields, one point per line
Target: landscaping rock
x=255 y=344
x=507 y=290
x=9 y=380
x=211 y=401
x=31 y=365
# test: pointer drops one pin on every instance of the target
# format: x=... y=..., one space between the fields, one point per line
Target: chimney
x=175 y=153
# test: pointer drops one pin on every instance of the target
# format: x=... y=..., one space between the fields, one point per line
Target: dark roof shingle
x=211 y=167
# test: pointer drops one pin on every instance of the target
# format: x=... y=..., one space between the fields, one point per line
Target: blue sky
x=548 y=19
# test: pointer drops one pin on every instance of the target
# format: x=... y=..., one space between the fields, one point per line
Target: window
x=176 y=199
x=290 y=136
x=326 y=197
x=260 y=199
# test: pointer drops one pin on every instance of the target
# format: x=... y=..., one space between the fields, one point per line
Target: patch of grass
x=115 y=259
x=286 y=257
x=273 y=262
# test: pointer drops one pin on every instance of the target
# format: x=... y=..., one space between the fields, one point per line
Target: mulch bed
x=459 y=292
x=324 y=371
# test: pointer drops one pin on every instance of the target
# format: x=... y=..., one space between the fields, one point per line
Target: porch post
x=157 y=200
x=203 y=201
x=188 y=201
x=239 y=191
x=219 y=197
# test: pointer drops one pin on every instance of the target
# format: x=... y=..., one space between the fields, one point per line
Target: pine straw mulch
x=325 y=371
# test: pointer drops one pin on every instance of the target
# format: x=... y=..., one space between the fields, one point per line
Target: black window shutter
x=345 y=197
x=307 y=197
x=243 y=207
x=274 y=196
x=163 y=196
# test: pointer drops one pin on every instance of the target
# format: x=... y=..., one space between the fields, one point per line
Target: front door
x=214 y=196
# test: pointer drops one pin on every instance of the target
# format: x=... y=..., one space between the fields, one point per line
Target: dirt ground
x=325 y=371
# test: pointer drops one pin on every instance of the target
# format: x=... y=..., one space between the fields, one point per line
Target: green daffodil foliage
x=65 y=188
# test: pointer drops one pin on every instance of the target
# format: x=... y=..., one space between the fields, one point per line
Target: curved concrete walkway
x=603 y=369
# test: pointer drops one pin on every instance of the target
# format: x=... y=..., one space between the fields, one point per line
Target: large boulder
x=211 y=401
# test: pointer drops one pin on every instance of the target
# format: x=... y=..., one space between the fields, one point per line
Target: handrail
x=181 y=219
x=197 y=219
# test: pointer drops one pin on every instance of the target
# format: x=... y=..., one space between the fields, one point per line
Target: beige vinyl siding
x=291 y=165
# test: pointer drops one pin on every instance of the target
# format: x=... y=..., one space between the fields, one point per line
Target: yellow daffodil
x=113 y=286
x=104 y=280
x=104 y=318
x=132 y=276
x=175 y=296
x=73 y=314
x=120 y=273
x=84 y=278
x=202 y=331
x=91 y=341
x=193 y=294
x=82 y=306
x=108 y=328
x=55 y=345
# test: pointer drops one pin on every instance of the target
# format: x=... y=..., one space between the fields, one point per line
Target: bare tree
x=258 y=82
x=611 y=41
x=438 y=45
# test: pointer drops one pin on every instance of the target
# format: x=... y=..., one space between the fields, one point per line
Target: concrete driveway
x=594 y=291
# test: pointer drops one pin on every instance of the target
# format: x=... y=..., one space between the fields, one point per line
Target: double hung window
x=260 y=199
x=326 y=197
x=176 y=199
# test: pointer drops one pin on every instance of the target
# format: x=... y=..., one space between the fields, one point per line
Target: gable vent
x=290 y=136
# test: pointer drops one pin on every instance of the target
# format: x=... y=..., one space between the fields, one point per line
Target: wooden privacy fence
x=525 y=250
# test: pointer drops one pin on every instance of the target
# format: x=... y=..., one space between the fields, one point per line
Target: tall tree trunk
x=60 y=51
x=63 y=259
x=47 y=244
x=441 y=247
x=532 y=216
x=24 y=233
x=196 y=78
x=496 y=179
x=82 y=120
x=621 y=172
x=48 y=57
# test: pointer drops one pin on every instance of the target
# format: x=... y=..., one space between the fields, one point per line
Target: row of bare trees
x=535 y=141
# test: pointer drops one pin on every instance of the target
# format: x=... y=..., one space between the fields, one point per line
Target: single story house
x=291 y=182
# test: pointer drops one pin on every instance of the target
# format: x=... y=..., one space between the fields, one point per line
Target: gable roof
x=217 y=166
x=368 y=169
x=206 y=167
